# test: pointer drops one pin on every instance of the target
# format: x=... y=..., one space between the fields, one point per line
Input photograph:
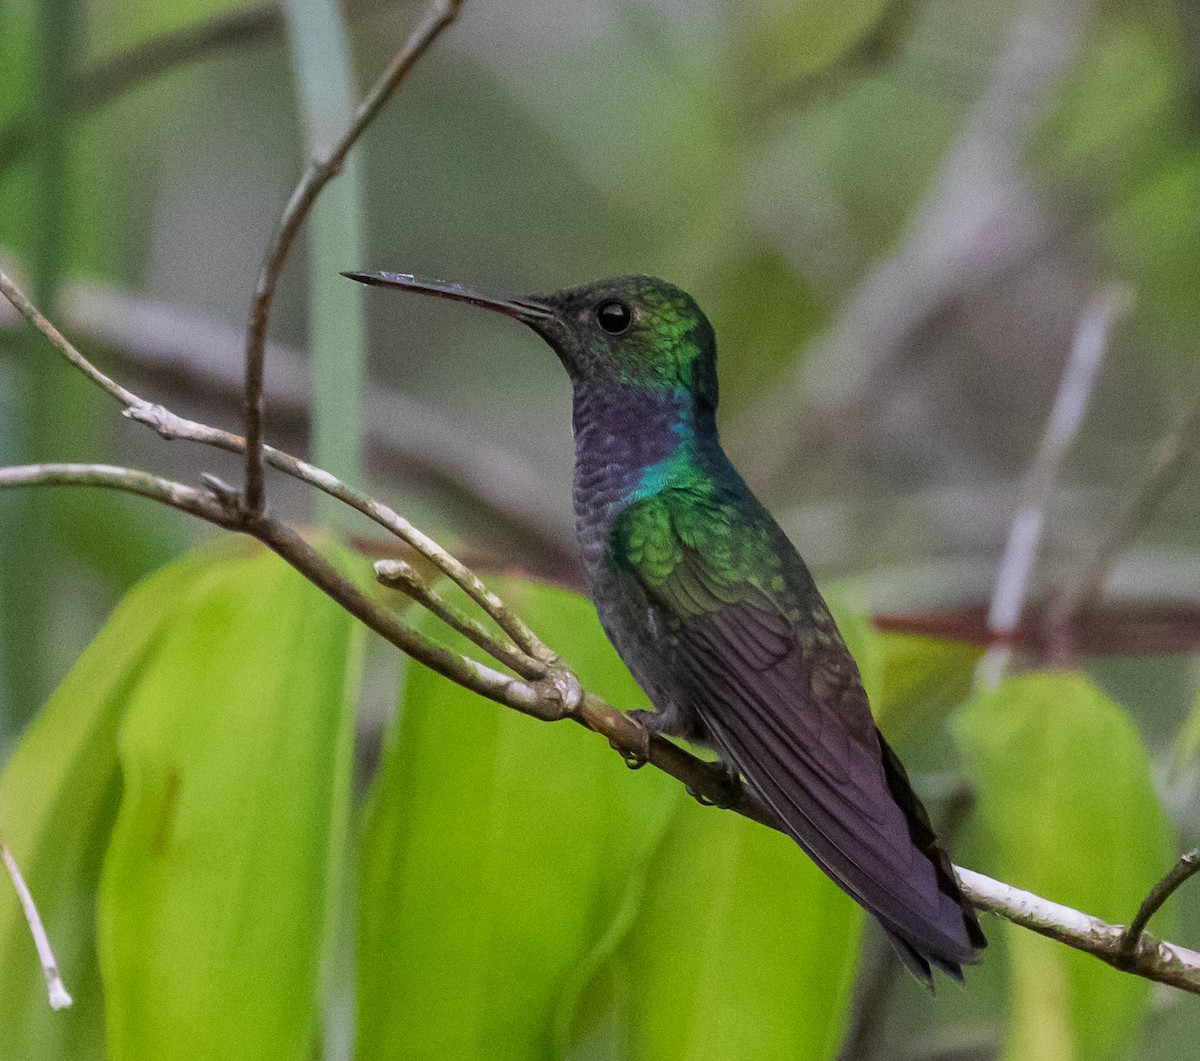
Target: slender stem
x=56 y=991
x=1156 y=960
x=319 y=173
x=31 y=313
x=530 y=699
x=1177 y=452
x=543 y=700
x=400 y=574
x=186 y=350
x=1070 y=404
x=336 y=319
x=1182 y=870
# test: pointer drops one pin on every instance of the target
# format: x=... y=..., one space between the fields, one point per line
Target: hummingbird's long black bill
x=527 y=310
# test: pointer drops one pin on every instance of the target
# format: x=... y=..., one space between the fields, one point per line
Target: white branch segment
x=59 y=998
x=1153 y=959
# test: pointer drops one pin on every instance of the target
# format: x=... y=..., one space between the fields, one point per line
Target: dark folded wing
x=753 y=649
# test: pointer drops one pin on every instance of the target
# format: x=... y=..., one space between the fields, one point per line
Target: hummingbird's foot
x=635 y=759
x=730 y=779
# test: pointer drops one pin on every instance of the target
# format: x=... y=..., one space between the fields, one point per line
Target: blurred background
x=893 y=211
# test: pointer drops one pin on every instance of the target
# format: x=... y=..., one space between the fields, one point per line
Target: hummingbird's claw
x=634 y=760
x=732 y=781
x=638 y=757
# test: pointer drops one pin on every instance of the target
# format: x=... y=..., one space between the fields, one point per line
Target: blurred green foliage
x=887 y=201
x=1063 y=781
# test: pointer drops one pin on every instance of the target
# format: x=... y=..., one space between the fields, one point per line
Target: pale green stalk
x=321 y=59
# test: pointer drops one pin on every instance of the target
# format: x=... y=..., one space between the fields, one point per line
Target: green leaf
x=58 y=798
x=497 y=852
x=780 y=42
x=922 y=681
x=1065 y=795
x=742 y=948
x=520 y=898
x=235 y=749
x=1187 y=743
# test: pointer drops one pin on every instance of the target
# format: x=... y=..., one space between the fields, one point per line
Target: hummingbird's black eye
x=613 y=316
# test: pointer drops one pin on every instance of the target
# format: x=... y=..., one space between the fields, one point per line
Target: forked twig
x=320 y=172
x=1131 y=938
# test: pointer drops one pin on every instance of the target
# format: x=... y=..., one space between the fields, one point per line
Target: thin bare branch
x=1070 y=404
x=56 y=991
x=1131 y=938
x=189 y=499
x=400 y=574
x=319 y=173
x=544 y=699
x=177 y=346
x=1176 y=455
x=1166 y=963
x=32 y=314
x=170 y=426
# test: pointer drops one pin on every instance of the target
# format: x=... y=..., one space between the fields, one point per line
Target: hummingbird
x=714 y=612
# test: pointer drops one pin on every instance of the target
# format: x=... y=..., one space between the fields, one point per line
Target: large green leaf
x=496 y=854
x=520 y=898
x=235 y=749
x=741 y=949
x=58 y=797
x=740 y=946
x=923 y=681
x=1065 y=795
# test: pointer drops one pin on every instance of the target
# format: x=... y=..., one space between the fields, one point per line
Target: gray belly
x=642 y=636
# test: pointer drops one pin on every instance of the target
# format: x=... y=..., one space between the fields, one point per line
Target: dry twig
x=55 y=989
x=319 y=173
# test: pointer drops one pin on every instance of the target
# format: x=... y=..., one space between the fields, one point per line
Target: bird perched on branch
x=715 y=613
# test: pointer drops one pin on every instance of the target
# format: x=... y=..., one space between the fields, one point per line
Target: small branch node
x=566 y=684
x=229 y=497
x=398 y=574
x=159 y=417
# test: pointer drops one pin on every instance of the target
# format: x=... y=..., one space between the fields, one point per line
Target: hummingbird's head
x=633 y=331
